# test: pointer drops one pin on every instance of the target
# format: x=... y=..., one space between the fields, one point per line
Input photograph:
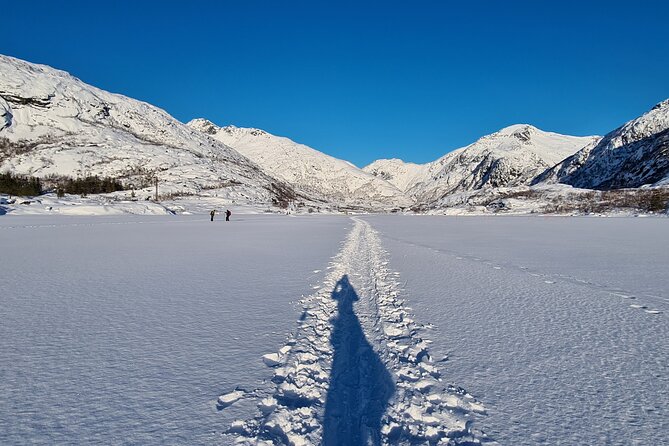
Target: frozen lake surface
x=549 y=321
x=126 y=329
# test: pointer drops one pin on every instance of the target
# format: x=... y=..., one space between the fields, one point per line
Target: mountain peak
x=234 y=130
x=204 y=126
x=661 y=105
x=522 y=132
x=314 y=173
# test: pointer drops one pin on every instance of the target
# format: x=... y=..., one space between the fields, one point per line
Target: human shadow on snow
x=360 y=385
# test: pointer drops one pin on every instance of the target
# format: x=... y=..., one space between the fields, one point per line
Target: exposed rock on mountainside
x=633 y=155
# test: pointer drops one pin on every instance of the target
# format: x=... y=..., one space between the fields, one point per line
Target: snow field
x=124 y=330
x=528 y=313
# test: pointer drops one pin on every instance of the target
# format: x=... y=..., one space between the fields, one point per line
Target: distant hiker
x=212 y=213
x=227 y=214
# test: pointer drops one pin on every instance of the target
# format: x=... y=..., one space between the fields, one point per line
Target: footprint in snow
x=497 y=267
x=653 y=312
x=317 y=271
x=626 y=296
x=549 y=281
x=641 y=307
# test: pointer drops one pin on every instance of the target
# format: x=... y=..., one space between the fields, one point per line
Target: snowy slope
x=51 y=123
x=512 y=156
x=397 y=172
x=306 y=169
x=633 y=155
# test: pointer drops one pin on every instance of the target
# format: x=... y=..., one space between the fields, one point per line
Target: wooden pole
x=156 y=189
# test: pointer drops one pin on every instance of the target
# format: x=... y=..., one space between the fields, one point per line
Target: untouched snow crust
x=334 y=330
x=559 y=326
x=125 y=330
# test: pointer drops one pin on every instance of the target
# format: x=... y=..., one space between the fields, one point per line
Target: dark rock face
x=40 y=102
x=634 y=155
x=642 y=162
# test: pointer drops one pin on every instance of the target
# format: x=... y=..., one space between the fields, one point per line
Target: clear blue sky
x=363 y=80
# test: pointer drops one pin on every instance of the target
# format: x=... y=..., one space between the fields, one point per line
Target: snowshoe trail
x=659 y=302
x=357 y=370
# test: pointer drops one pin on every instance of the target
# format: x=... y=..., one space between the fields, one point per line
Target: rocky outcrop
x=634 y=155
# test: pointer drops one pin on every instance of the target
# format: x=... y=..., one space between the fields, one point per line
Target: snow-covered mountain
x=401 y=174
x=52 y=123
x=512 y=156
x=308 y=170
x=633 y=155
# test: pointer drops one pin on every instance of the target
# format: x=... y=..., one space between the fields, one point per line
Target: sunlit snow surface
x=126 y=329
x=549 y=321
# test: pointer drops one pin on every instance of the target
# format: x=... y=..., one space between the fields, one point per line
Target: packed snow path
x=357 y=371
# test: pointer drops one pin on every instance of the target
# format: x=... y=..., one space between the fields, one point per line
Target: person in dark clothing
x=227 y=214
x=212 y=214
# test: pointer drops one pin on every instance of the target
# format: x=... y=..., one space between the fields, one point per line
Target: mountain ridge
x=307 y=169
x=55 y=124
x=52 y=123
x=633 y=155
x=512 y=156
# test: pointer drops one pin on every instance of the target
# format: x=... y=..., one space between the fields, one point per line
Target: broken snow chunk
x=451 y=401
x=407 y=374
x=240 y=427
x=267 y=405
x=428 y=368
x=415 y=353
x=434 y=398
x=229 y=398
x=425 y=385
x=415 y=412
x=394 y=332
x=432 y=434
x=272 y=359
x=280 y=374
x=391 y=430
x=297 y=440
x=307 y=358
